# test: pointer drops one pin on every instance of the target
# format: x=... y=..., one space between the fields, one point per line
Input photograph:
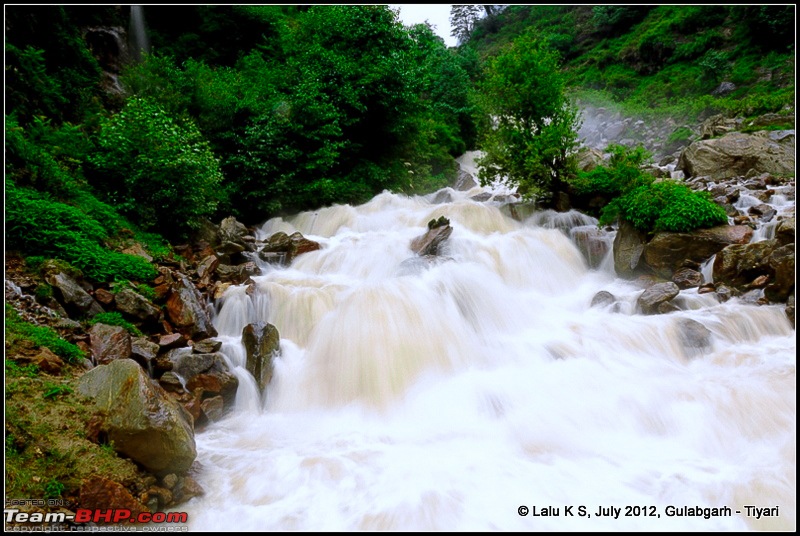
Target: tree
x=462 y=20
x=531 y=132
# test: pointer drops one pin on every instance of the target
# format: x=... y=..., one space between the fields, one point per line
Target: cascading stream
x=444 y=396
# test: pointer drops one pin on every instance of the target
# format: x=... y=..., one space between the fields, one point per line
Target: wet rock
x=172 y=340
x=650 y=300
x=187 y=311
x=207 y=346
x=207 y=372
x=603 y=299
x=789 y=310
x=781 y=262
x=291 y=246
x=237 y=274
x=592 y=244
x=143 y=351
x=431 y=242
x=417 y=265
x=628 y=249
x=481 y=197
x=212 y=408
x=464 y=182
x=738 y=265
x=695 y=338
x=442 y=196
x=687 y=278
x=207 y=267
x=232 y=231
x=143 y=422
x=262 y=343
x=109 y=343
x=668 y=251
x=764 y=211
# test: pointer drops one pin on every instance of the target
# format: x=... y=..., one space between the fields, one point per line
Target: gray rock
x=736 y=153
x=136 y=306
x=650 y=300
x=72 y=296
x=431 y=242
x=262 y=343
x=143 y=422
x=695 y=338
x=628 y=249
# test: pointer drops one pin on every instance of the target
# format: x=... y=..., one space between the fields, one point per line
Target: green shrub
x=622 y=173
x=157 y=171
x=40 y=226
x=665 y=206
x=17 y=330
x=115 y=319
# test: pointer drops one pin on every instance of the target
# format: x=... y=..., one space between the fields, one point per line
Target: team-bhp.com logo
x=85 y=515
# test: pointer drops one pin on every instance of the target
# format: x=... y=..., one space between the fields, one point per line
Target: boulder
x=72 y=296
x=207 y=346
x=431 y=242
x=232 y=231
x=735 y=154
x=781 y=262
x=687 y=278
x=262 y=343
x=695 y=337
x=603 y=299
x=109 y=343
x=738 y=265
x=785 y=231
x=589 y=158
x=143 y=351
x=136 y=306
x=290 y=246
x=651 y=299
x=628 y=248
x=237 y=274
x=187 y=310
x=207 y=372
x=668 y=251
x=143 y=422
x=465 y=181
x=593 y=244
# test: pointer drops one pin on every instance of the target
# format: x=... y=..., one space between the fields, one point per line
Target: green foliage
x=618 y=18
x=18 y=330
x=53 y=489
x=145 y=290
x=157 y=171
x=52 y=390
x=665 y=206
x=13 y=369
x=115 y=319
x=680 y=135
x=38 y=225
x=533 y=128
x=622 y=174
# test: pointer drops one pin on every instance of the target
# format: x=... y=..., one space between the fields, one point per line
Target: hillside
x=681 y=59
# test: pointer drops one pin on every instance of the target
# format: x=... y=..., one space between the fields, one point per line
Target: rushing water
x=444 y=396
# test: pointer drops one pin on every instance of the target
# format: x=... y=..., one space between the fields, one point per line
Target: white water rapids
x=444 y=397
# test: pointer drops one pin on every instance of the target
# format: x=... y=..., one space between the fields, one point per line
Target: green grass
x=18 y=330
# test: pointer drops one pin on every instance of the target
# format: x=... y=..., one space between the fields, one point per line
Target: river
x=459 y=395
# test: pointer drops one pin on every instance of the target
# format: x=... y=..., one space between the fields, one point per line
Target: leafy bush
x=159 y=172
x=37 y=225
x=115 y=319
x=665 y=206
x=17 y=329
x=622 y=173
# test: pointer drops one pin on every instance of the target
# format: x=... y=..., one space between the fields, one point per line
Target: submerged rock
x=262 y=343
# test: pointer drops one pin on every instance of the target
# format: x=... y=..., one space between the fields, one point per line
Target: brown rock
x=173 y=340
x=431 y=242
x=687 y=278
x=651 y=299
x=109 y=343
x=103 y=296
x=187 y=310
x=98 y=493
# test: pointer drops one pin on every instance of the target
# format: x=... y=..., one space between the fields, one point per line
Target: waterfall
x=446 y=395
x=138 y=33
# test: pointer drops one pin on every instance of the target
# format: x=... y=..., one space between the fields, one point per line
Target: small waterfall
x=139 y=42
x=447 y=396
